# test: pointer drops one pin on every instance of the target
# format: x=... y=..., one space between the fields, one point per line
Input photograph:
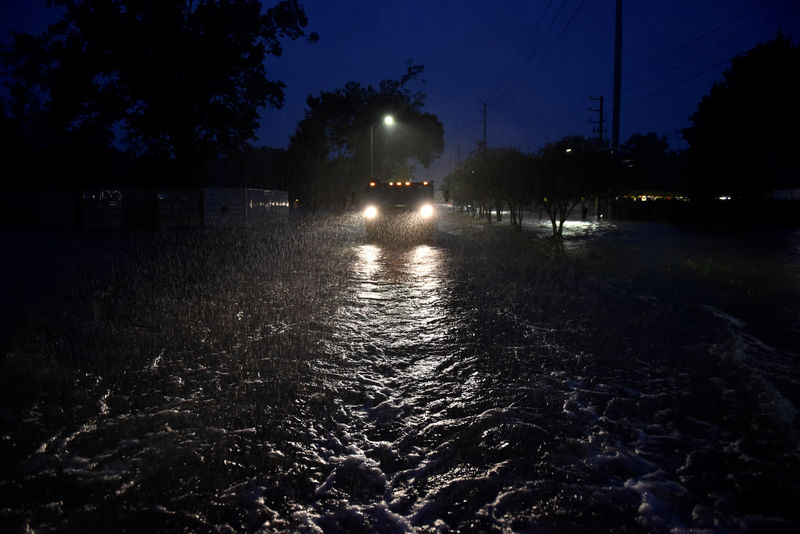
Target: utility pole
x=484 y=152
x=484 y=127
x=617 y=78
x=371 y=156
x=600 y=120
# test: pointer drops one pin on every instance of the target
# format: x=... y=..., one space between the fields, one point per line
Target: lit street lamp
x=388 y=120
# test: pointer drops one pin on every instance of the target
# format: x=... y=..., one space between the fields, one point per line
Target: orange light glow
x=391 y=183
x=408 y=183
x=424 y=183
x=372 y=184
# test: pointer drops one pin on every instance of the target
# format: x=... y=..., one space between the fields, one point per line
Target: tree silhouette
x=644 y=160
x=182 y=80
x=570 y=170
x=744 y=136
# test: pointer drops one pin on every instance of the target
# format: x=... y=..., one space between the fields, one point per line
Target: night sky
x=534 y=63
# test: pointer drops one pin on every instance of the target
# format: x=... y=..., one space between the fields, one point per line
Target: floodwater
x=301 y=378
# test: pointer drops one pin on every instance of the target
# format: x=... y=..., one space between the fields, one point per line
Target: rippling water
x=317 y=382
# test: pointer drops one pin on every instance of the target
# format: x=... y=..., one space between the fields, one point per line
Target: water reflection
x=403 y=309
x=574 y=231
x=403 y=276
x=584 y=227
x=368 y=258
x=399 y=298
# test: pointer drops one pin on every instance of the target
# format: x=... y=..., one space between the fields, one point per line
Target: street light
x=388 y=120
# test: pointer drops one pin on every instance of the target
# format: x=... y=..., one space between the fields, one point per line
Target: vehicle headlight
x=371 y=212
x=426 y=211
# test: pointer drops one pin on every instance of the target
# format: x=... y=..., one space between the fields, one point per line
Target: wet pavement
x=302 y=378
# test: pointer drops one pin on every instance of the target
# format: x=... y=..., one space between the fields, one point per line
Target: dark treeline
x=167 y=93
x=742 y=148
x=145 y=93
x=556 y=178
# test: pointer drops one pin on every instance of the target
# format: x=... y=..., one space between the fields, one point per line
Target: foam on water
x=399 y=389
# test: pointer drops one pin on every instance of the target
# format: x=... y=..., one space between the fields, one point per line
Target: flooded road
x=304 y=379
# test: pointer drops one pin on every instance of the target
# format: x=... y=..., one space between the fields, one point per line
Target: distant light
x=425 y=183
x=372 y=184
x=391 y=183
x=388 y=120
x=724 y=198
x=408 y=183
x=371 y=212
x=568 y=150
x=426 y=211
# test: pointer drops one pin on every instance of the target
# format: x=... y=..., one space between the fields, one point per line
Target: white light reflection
x=423 y=260
x=365 y=272
x=368 y=260
x=404 y=288
x=432 y=311
x=395 y=329
x=580 y=225
x=583 y=228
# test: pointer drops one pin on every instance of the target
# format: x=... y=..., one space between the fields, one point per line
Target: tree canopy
x=743 y=138
x=177 y=80
x=557 y=177
x=492 y=178
x=342 y=133
x=570 y=170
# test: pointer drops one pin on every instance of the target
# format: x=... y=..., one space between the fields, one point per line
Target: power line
x=706 y=52
x=571 y=116
x=696 y=39
x=530 y=56
x=547 y=53
x=525 y=43
x=691 y=77
x=687 y=44
x=683 y=47
x=572 y=111
x=676 y=84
